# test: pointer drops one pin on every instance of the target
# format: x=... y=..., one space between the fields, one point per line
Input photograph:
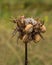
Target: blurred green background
x=11 y=52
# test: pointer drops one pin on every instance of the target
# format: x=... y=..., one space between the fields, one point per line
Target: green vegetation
x=12 y=53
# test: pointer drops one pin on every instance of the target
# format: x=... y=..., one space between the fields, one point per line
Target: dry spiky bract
x=29 y=29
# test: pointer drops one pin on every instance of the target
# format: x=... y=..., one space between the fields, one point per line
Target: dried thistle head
x=25 y=30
